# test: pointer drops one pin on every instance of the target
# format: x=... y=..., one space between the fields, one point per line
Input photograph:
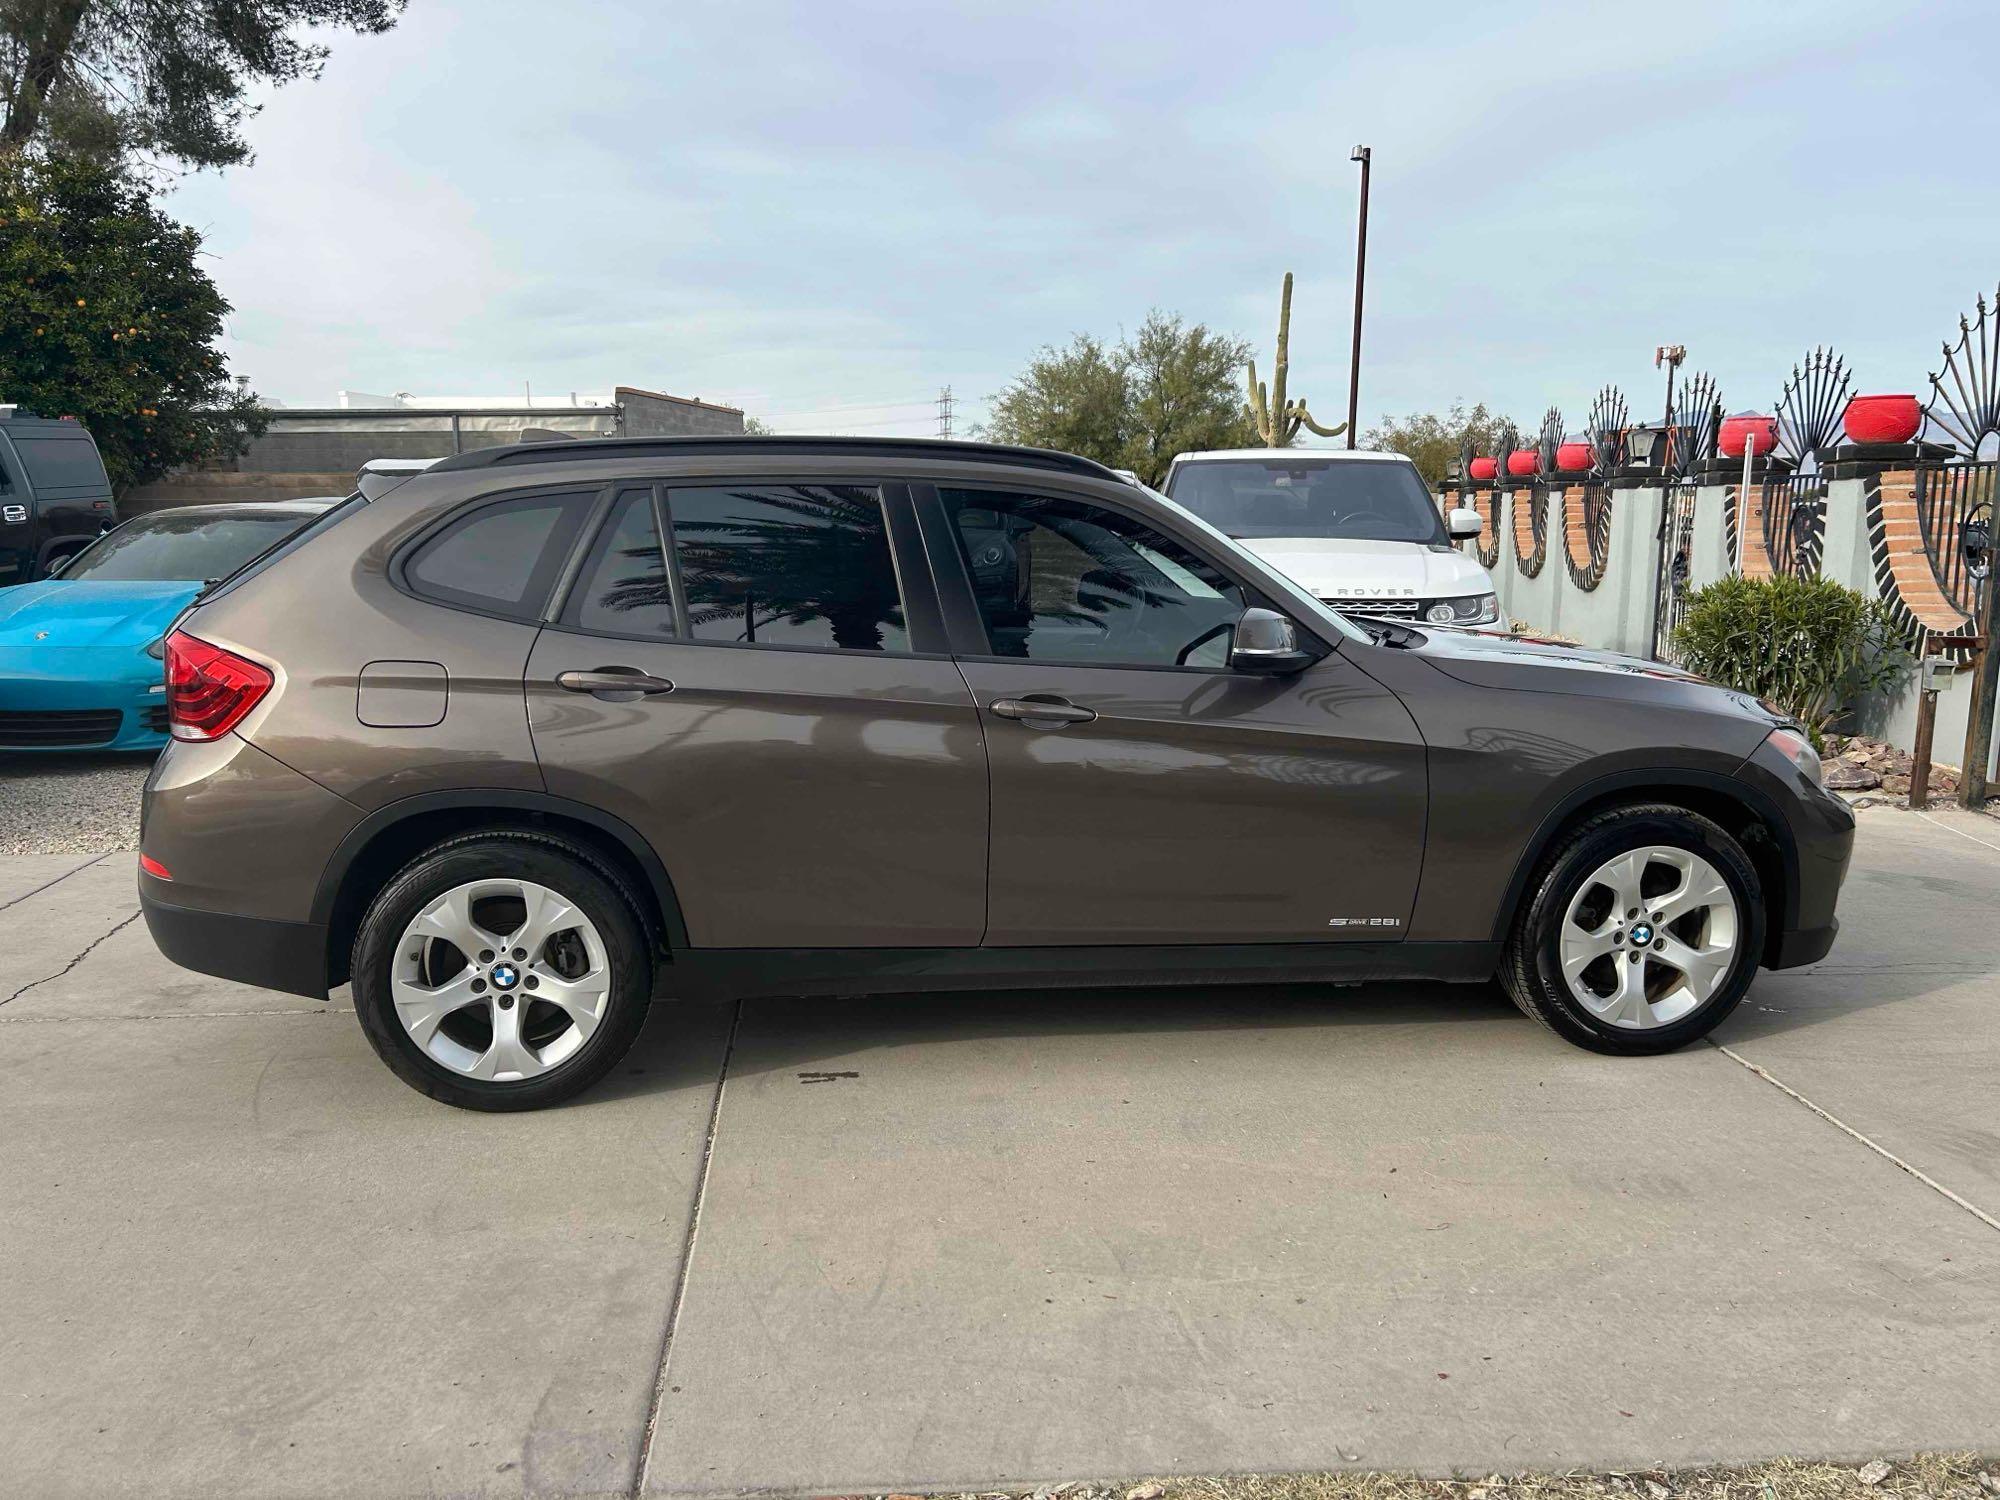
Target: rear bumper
x=285 y=956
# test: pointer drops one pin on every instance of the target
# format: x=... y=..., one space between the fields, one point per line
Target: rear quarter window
x=61 y=463
x=500 y=557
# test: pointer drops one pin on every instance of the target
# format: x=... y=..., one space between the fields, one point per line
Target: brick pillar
x=1902 y=549
x=1756 y=557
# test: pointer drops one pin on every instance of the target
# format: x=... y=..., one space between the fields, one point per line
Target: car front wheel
x=502 y=971
x=1641 y=932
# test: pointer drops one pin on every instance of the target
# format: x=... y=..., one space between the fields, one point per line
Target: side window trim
x=579 y=551
x=663 y=523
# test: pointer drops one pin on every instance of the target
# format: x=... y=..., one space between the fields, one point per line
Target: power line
x=944 y=406
x=820 y=411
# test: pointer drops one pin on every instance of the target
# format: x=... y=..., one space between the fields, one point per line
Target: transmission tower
x=944 y=406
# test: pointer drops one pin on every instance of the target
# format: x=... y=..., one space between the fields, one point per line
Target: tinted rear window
x=788 y=565
x=623 y=588
x=501 y=558
x=61 y=463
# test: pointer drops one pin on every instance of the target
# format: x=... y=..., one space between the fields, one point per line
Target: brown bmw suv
x=524 y=742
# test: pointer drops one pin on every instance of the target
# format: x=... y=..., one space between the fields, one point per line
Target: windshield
x=1307 y=497
x=1324 y=612
x=181 y=545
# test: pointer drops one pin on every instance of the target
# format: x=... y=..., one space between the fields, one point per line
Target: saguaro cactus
x=1278 y=420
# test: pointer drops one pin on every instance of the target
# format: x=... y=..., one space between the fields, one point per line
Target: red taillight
x=209 y=690
x=153 y=867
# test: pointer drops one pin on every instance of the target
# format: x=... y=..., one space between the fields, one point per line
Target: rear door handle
x=1042 y=711
x=614 y=684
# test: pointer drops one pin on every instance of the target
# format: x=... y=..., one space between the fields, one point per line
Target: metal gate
x=1795 y=523
x=1954 y=507
x=1691 y=436
x=1670 y=590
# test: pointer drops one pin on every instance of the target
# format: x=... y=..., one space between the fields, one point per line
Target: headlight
x=1797 y=749
x=1476 y=609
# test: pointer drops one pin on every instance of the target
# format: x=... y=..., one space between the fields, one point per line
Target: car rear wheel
x=1641 y=933
x=502 y=971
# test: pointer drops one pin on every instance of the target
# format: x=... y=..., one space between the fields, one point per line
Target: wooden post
x=1920 y=757
x=1979 y=713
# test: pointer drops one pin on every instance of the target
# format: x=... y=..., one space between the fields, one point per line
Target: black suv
x=54 y=495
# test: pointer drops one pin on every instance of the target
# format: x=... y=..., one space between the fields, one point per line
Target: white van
x=1357 y=528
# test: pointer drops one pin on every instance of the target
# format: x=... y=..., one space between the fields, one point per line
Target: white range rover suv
x=1357 y=528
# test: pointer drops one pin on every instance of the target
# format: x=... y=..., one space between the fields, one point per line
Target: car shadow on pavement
x=793 y=1035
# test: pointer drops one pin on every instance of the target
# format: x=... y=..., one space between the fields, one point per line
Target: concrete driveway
x=895 y=1245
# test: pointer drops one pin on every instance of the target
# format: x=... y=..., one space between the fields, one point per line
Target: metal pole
x=1364 y=155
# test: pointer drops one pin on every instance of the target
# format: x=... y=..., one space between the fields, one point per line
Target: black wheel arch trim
x=386 y=817
x=1663 y=780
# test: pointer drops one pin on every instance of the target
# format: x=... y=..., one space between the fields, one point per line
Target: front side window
x=181 y=546
x=1061 y=580
x=500 y=558
x=1342 y=499
x=788 y=565
x=623 y=588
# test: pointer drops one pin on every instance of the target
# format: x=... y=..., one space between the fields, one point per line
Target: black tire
x=546 y=860
x=1530 y=968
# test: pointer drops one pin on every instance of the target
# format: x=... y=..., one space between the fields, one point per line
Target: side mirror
x=1267 y=643
x=1462 y=523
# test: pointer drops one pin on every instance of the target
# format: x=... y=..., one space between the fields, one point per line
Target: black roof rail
x=576 y=450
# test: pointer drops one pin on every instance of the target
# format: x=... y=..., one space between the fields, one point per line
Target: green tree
x=1181 y=394
x=100 y=78
x=1132 y=405
x=1432 y=439
x=105 y=316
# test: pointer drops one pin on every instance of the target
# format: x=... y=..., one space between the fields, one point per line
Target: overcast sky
x=823 y=212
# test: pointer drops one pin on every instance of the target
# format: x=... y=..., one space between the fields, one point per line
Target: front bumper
x=76 y=700
x=1820 y=830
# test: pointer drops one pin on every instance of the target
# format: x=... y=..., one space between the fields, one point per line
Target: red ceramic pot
x=1522 y=462
x=1883 y=419
x=1741 y=432
x=1484 y=468
x=1573 y=458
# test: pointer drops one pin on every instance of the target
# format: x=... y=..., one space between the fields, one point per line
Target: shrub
x=1808 y=645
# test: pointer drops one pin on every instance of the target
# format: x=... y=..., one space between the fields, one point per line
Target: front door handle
x=614 y=684
x=1042 y=711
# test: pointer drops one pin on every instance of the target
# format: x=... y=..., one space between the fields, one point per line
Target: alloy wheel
x=500 y=980
x=1650 y=937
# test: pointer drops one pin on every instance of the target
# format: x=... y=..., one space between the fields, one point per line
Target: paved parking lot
x=890 y=1245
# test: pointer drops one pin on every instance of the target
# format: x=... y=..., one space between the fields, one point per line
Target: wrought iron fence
x=1955 y=497
x=1954 y=504
x=1676 y=568
x=1808 y=411
x=1588 y=572
x=1795 y=523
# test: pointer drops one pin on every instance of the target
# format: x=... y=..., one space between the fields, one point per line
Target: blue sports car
x=77 y=669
